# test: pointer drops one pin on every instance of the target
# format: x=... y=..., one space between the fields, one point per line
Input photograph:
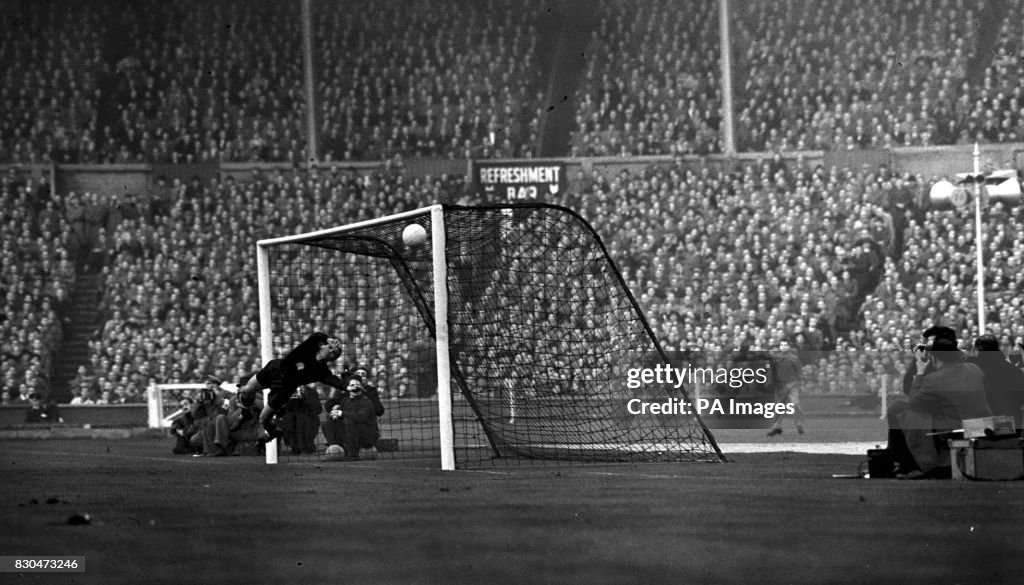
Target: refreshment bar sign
x=518 y=181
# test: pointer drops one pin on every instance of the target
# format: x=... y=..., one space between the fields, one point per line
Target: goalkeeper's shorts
x=272 y=377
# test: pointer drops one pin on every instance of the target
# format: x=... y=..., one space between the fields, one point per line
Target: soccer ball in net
x=414 y=235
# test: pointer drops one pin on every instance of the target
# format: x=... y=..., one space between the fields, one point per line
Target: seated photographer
x=208 y=406
x=1004 y=383
x=928 y=336
x=947 y=391
x=240 y=424
x=370 y=391
x=358 y=419
x=184 y=428
x=300 y=422
x=334 y=423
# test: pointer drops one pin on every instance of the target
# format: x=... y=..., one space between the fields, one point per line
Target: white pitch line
x=851 y=448
x=631 y=474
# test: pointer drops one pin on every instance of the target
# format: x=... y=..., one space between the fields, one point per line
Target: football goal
x=497 y=334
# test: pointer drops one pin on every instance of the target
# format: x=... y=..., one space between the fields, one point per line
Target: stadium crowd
x=844 y=261
x=809 y=76
x=35 y=286
x=223 y=82
x=430 y=79
x=650 y=84
x=846 y=264
x=170 y=83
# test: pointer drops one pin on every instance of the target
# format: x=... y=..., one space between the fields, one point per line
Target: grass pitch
x=763 y=518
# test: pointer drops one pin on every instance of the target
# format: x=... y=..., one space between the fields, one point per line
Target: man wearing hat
x=945 y=392
x=929 y=335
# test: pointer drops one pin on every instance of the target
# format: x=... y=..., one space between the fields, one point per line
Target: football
x=334 y=453
x=414 y=235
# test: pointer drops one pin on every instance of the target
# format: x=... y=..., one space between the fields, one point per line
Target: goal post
x=444 y=394
x=502 y=337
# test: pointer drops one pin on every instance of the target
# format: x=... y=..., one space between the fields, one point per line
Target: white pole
x=312 y=151
x=444 y=390
x=978 y=247
x=884 y=395
x=266 y=329
x=156 y=407
x=725 y=47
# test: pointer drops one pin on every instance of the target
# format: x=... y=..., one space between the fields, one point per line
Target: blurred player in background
x=305 y=364
x=786 y=369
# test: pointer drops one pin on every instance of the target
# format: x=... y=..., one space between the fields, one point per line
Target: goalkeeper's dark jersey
x=298 y=368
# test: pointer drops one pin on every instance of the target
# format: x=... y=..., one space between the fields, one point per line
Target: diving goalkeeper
x=305 y=364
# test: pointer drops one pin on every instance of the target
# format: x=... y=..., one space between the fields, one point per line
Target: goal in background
x=504 y=338
x=162 y=401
